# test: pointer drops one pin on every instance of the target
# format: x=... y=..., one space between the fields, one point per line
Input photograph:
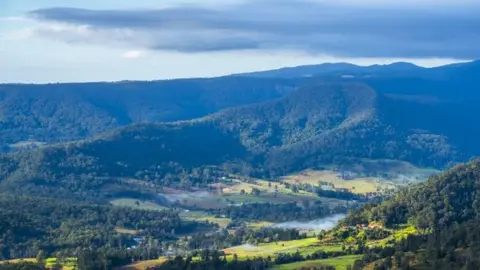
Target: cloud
x=342 y=28
x=326 y=223
x=133 y=54
x=13 y=19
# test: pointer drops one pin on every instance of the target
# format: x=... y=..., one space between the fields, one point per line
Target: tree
x=255 y=192
x=41 y=257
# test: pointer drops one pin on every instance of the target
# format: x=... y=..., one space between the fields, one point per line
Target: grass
x=230 y=193
x=397 y=235
x=20 y=260
x=340 y=263
x=203 y=217
x=68 y=264
x=267 y=187
x=137 y=204
x=233 y=193
x=142 y=265
x=359 y=185
x=259 y=224
x=304 y=246
x=126 y=231
x=404 y=232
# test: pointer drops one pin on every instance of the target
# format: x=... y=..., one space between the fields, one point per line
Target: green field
x=142 y=265
x=137 y=204
x=255 y=225
x=203 y=217
x=266 y=187
x=359 y=185
x=68 y=264
x=340 y=263
x=236 y=192
x=304 y=246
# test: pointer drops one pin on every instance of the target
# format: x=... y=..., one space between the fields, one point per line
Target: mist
x=326 y=223
x=185 y=196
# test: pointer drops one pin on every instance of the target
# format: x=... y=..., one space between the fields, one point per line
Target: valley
x=250 y=171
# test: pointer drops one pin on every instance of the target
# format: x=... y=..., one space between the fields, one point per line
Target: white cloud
x=133 y=54
x=21 y=34
x=13 y=19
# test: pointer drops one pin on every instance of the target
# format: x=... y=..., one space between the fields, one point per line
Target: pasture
x=204 y=217
x=67 y=264
x=143 y=265
x=359 y=185
x=340 y=263
x=304 y=246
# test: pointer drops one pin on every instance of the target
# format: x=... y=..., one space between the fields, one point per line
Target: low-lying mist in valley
x=325 y=223
x=186 y=196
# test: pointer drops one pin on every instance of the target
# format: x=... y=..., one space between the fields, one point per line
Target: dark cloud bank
x=318 y=27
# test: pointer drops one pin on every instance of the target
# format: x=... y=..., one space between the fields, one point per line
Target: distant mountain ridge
x=397 y=69
x=33 y=114
x=62 y=112
x=265 y=127
x=316 y=125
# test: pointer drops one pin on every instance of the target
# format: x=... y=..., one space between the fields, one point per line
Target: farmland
x=205 y=217
x=304 y=246
x=142 y=265
x=340 y=263
x=358 y=185
x=67 y=264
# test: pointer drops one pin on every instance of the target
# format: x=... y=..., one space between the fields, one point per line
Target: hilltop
x=326 y=123
x=50 y=113
x=33 y=115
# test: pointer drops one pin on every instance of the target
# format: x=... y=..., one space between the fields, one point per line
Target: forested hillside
x=30 y=225
x=326 y=123
x=32 y=114
x=445 y=210
x=448 y=198
x=59 y=112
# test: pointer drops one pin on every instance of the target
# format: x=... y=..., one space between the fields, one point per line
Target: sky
x=111 y=40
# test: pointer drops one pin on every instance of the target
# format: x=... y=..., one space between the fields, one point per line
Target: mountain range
x=253 y=126
x=63 y=112
x=125 y=143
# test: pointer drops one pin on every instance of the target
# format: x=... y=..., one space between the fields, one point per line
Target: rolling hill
x=444 y=211
x=320 y=124
x=62 y=112
x=35 y=114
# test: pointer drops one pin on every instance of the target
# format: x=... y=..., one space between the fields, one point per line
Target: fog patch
x=326 y=223
x=186 y=196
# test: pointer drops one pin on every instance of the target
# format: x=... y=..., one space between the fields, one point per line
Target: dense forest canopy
x=48 y=113
x=318 y=124
x=140 y=139
x=451 y=197
x=63 y=112
x=445 y=210
x=29 y=225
